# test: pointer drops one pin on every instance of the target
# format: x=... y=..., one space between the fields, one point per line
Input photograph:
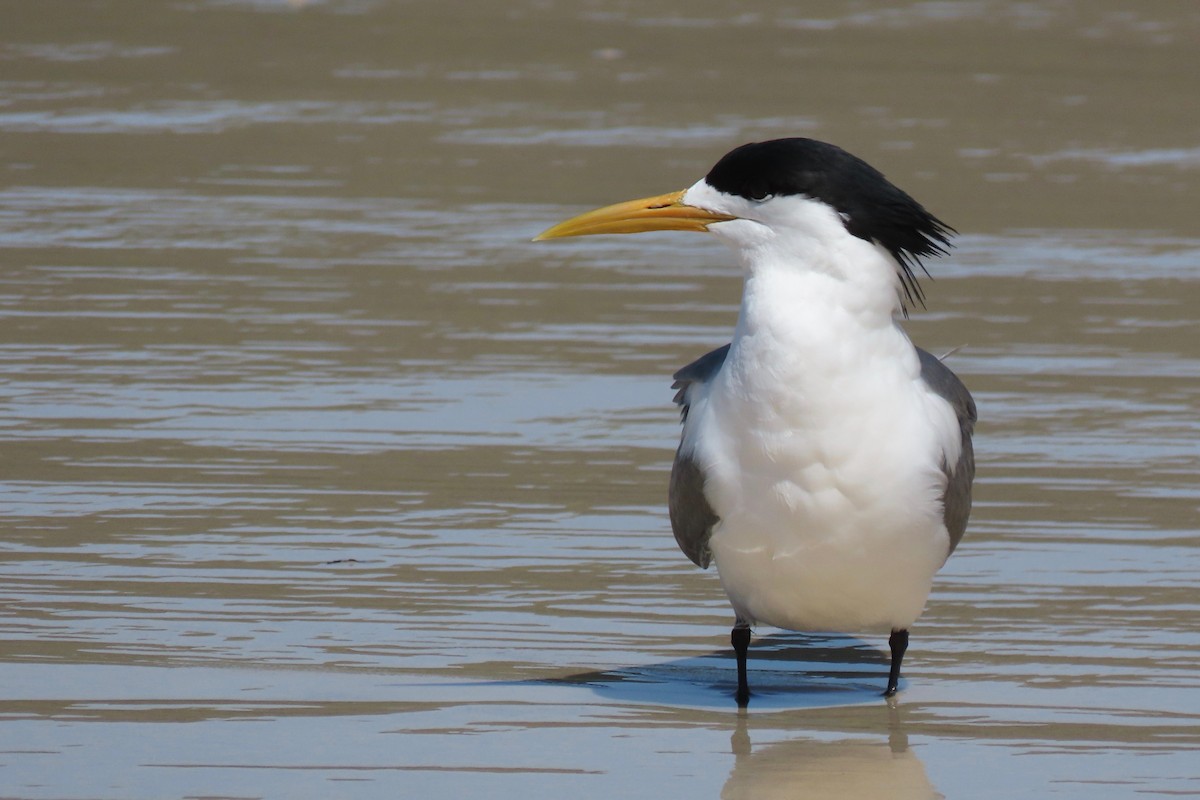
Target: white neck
x=819 y=315
x=802 y=246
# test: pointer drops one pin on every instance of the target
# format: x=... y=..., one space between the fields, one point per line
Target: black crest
x=874 y=209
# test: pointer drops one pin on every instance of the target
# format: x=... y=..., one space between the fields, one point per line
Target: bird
x=826 y=463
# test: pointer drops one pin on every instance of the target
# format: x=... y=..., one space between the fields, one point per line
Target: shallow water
x=320 y=480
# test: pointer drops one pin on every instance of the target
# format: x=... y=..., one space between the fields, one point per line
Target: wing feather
x=959 y=477
x=692 y=516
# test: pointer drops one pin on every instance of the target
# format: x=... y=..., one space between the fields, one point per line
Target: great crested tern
x=826 y=462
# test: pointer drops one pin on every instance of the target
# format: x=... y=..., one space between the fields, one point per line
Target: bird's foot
x=740 y=638
x=898 y=643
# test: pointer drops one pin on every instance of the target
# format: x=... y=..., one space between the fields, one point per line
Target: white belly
x=829 y=494
x=859 y=580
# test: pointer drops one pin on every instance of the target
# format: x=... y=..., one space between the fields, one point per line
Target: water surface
x=320 y=480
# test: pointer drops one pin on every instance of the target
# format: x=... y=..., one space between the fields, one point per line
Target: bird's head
x=797 y=199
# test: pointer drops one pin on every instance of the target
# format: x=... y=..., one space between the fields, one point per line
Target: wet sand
x=320 y=480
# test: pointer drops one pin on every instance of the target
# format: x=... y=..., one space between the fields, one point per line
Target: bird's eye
x=761 y=197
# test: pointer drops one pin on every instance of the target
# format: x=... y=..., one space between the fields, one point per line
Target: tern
x=826 y=463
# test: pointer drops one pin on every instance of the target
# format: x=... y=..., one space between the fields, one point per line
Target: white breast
x=823 y=451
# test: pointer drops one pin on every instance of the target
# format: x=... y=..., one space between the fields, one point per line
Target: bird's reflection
x=827 y=768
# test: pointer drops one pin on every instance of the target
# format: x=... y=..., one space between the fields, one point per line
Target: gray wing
x=957 y=499
x=692 y=517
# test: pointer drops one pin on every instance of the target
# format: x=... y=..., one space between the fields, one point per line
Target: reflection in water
x=818 y=769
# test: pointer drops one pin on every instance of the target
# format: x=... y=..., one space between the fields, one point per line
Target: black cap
x=873 y=208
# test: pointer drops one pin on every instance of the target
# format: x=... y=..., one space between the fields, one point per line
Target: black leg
x=898 y=641
x=740 y=638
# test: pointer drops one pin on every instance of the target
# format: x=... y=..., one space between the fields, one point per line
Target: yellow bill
x=666 y=212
